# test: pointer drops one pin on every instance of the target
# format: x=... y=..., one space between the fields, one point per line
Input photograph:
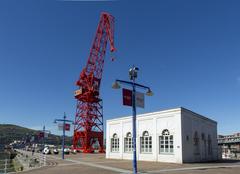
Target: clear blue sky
x=187 y=51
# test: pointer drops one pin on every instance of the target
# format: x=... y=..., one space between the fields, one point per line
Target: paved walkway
x=96 y=163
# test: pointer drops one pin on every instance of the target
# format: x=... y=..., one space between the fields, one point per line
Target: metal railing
x=28 y=160
x=23 y=161
x=6 y=166
x=229 y=140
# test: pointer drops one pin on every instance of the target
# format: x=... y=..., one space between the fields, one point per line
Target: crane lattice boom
x=89 y=119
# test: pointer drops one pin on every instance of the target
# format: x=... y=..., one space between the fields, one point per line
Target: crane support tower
x=88 y=126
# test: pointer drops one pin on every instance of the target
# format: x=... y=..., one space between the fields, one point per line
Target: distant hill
x=9 y=133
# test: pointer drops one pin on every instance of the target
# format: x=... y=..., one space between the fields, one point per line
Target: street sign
x=127 y=97
x=139 y=99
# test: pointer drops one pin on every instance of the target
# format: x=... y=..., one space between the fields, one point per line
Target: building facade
x=229 y=146
x=175 y=135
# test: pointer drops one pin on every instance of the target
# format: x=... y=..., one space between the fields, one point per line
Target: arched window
x=209 y=145
x=128 y=143
x=146 y=143
x=196 y=143
x=203 y=137
x=166 y=142
x=115 y=143
x=145 y=133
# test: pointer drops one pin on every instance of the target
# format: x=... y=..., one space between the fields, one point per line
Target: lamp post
x=44 y=131
x=42 y=135
x=43 y=140
x=116 y=85
x=63 y=137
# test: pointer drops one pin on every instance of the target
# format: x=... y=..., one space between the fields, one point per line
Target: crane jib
x=89 y=119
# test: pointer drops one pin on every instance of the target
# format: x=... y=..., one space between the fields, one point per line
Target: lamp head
x=149 y=92
x=116 y=85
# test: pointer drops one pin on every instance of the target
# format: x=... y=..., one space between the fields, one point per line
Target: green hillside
x=9 y=133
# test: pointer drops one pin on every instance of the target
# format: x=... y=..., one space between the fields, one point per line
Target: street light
x=44 y=131
x=149 y=92
x=64 y=122
x=116 y=85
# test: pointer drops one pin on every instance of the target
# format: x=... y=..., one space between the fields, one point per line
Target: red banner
x=41 y=134
x=67 y=127
x=127 y=97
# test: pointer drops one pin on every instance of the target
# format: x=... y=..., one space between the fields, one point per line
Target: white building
x=175 y=135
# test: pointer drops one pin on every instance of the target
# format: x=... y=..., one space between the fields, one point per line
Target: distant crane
x=89 y=118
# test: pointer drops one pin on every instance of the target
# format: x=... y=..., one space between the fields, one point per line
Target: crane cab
x=78 y=92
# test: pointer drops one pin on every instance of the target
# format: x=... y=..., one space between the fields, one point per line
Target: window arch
x=115 y=143
x=166 y=142
x=146 y=142
x=145 y=133
x=209 y=145
x=203 y=137
x=196 y=143
x=129 y=134
x=165 y=132
x=128 y=142
x=195 y=138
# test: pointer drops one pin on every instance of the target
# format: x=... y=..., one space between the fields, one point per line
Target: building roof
x=179 y=109
x=198 y=115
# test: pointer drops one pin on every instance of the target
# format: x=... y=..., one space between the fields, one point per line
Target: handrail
x=28 y=162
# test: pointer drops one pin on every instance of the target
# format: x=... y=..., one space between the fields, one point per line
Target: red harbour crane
x=89 y=118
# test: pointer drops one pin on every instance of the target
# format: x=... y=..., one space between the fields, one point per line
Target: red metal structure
x=89 y=118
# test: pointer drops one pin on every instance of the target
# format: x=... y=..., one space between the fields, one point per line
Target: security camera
x=135 y=68
x=133 y=72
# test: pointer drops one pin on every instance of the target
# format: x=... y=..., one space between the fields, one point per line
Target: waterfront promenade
x=96 y=163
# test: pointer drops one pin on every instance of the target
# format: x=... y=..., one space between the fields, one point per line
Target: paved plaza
x=96 y=163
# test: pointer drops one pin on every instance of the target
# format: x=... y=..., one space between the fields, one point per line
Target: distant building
x=230 y=145
x=175 y=135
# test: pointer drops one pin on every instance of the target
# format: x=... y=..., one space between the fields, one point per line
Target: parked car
x=74 y=151
x=55 y=151
x=67 y=151
x=46 y=151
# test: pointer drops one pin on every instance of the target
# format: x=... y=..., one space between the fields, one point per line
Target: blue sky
x=187 y=51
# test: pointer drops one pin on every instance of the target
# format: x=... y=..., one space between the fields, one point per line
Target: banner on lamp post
x=60 y=126
x=45 y=135
x=127 y=97
x=67 y=126
x=139 y=99
x=41 y=134
x=32 y=139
